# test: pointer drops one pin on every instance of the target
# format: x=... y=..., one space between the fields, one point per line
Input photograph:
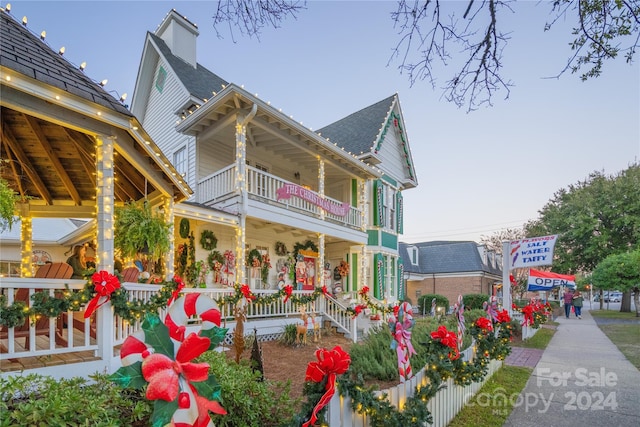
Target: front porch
x=95 y=347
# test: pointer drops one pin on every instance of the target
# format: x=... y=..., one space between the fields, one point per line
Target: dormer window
x=413 y=254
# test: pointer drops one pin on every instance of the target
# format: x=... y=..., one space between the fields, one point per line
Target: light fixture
x=123 y=97
x=43 y=35
x=61 y=51
x=104 y=82
x=83 y=66
x=8 y=7
x=24 y=21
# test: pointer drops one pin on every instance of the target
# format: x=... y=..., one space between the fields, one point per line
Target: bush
x=289 y=335
x=38 y=400
x=473 y=301
x=247 y=400
x=425 y=301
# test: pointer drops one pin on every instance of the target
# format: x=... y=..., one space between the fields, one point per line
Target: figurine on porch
x=301 y=272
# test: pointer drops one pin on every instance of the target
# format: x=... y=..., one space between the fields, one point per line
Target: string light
x=24 y=21
x=83 y=66
x=104 y=82
x=8 y=7
x=43 y=35
x=61 y=51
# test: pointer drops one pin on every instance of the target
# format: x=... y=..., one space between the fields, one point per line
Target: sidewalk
x=581 y=380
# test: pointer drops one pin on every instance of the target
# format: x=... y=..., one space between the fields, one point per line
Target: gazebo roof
x=52 y=115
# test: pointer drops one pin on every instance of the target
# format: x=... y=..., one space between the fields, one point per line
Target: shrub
x=247 y=400
x=424 y=302
x=289 y=335
x=38 y=400
x=472 y=301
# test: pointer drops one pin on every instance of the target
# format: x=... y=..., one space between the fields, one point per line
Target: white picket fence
x=527 y=331
x=444 y=406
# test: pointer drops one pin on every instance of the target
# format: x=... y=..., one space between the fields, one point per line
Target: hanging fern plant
x=136 y=225
x=7 y=205
x=208 y=240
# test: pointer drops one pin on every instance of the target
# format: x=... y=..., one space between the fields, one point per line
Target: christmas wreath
x=184 y=228
x=215 y=260
x=208 y=240
x=308 y=245
x=281 y=249
x=254 y=258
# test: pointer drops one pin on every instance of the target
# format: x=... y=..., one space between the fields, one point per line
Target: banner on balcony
x=288 y=190
x=546 y=280
x=532 y=252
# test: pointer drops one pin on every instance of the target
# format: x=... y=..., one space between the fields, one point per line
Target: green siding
x=373 y=238
x=354 y=192
x=390 y=180
x=354 y=269
x=389 y=240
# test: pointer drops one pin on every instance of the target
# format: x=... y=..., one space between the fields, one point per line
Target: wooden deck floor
x=42 y=342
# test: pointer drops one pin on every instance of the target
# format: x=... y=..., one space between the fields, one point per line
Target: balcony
x=218 y=190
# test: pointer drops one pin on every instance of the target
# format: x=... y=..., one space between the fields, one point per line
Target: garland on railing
x=535 y=313
x=441 y=365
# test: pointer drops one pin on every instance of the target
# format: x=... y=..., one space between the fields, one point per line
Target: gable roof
x=440 y=257
x=199 y=81
x=52 y=114
x=363 y=132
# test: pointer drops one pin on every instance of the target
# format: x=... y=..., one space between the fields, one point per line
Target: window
x=161 y=78
x=180 y=161
x=389 y=203
x=413 y=253
x=390 y=271
x=262 y=179
x=9 y=268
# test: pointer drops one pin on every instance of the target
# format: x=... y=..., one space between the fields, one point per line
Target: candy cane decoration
x=171 y=379
x=186 y=307
x=458 y=309
x=401 y=333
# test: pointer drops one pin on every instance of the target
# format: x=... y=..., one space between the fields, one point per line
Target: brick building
x=450 y=269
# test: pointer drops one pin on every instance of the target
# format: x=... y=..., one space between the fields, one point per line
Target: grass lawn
x=613 y=314
x=540 y=340
x=494 y=402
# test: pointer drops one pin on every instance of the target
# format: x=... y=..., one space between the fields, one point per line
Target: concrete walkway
x=581 y=380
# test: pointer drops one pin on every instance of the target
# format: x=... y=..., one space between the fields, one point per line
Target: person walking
x=568 y=302
x=577 y=303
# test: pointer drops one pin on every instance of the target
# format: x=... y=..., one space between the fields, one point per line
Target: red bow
x=288 y=290
x=358 y=309
x=484 y=323
x=447 y=338
x=527 y=311
x=246 y=291
x=325 y=291
x=175 y=293
x=330 y=364
x=104 y=284
x=364 y=291
x=503 y=316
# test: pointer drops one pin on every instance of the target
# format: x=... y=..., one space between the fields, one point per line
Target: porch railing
x=222 y=184
x=41 y=336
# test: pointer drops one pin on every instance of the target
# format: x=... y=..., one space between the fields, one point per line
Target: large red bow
x=246 y=291
x=330 y=364
x=503 y=316
x=364 y=292
x=527 y=311
x=484 y=323
x=104 y=284
x=325 y=291
x=288 y=290
x=447 y=338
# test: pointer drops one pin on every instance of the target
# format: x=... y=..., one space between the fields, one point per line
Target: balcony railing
x=261 y=185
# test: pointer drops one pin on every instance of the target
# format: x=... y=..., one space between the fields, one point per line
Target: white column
x=321 y=184
x=242 y=190
x=169 y=257
x=320 y=267
x=105 y=248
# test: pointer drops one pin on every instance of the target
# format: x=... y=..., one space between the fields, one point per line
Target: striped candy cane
x=458 y=309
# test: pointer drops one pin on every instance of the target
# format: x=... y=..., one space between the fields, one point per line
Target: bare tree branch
x=249 y=17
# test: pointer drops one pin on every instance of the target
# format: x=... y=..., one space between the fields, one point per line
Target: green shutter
x=400 y=270
x=378 y=276
x=378 y=203
x=399 y=212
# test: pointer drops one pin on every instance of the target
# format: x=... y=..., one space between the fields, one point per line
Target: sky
x=478 y=172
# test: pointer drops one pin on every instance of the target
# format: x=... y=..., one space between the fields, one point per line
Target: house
x=323 y=208
x=450 y=269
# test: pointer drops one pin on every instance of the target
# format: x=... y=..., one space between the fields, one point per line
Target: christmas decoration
x=400 y=325
x=104 y=285
x=160 y=357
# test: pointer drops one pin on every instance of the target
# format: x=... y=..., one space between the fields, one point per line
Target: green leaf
x=162 y=412
x=215 y=334
x=156 y=334
x=129 y=376
x=209 y=389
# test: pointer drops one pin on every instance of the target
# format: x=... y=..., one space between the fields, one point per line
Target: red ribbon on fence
x=330 y=364
x=104 y=284
x=177 y=291
x=288 y=290
x=246 y=291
